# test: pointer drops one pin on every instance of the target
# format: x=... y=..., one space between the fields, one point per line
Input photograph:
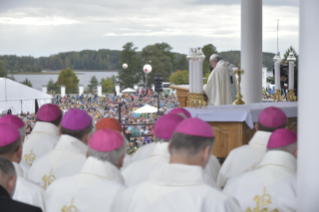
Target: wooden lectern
x=228 y=135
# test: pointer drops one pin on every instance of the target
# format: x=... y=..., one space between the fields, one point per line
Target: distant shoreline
x=58 y=72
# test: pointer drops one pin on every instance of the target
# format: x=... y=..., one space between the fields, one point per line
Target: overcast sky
x=46 y=27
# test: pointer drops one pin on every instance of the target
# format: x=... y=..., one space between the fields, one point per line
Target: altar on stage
x=234 y=124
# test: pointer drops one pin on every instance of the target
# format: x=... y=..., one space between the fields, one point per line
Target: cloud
x=37 y=21
x=78 y=24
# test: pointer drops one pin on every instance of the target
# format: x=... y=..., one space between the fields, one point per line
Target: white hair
x=215 y=57
x=22 y=131
x=7 y=170
x=113 y=157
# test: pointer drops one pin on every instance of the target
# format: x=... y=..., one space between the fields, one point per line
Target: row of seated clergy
x=75 y=153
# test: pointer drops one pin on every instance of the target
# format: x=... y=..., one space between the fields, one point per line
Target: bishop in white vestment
x=11 y=148
x=271 y=187
x=99 y=185
x=179 y=185
x=44 y=135
x=221 y=87
x=247 y=157
x=69 y=155
x=145 y=151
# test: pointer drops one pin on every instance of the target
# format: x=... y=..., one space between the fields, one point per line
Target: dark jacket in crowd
x=9 y=205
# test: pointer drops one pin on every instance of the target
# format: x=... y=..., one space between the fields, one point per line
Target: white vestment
x=140 y=171
x=127 y=161
x=244 y=158
x=97 y=187
x=221 y=87
x=26 y=191
x=176 y=187
x=272 y=186
x=67 y=158
x=43 y=139
x=143 y=152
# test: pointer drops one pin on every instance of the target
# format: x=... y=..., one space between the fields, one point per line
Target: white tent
x=146 y=109
x=128 y=90
x=19 y=97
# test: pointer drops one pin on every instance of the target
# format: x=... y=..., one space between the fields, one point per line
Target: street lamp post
x=147 y=69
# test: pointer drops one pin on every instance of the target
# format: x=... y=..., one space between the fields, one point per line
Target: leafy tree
x=52 y=86
x=68 y=78
x=161 y=60
x=108 y=84
x=290 y=49
x=182 y=63
x=208 y=50
x=27 y=82
x=3 y=71
x=179 y=77
x=93 y=83
x=131 y=75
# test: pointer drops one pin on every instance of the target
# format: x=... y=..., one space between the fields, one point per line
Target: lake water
x=84 y=76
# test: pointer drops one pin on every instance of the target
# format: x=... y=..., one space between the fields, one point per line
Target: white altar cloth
x=241 y=113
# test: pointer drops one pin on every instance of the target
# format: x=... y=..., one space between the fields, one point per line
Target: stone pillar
x=195 y=96
x=44 y=89
x=99 y=90
x=251 y=50
x=117 y=89
x=81 y=89
x=264 y=77
x=308 y=113
x=62 y=90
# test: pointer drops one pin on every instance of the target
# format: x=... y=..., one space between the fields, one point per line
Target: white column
x=291 y=75
x=308 y=113
x=251 y=50
x=81 y=89
x=117 y=89
x=62 y=90
x=264 y=77
x=190 y=72
x=99 y=90
x=135 y=87
x=44 y=89
x=153 y=87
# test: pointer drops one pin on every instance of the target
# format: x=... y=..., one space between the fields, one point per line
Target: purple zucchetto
x=12 y=120
x=8 y=134
x=76 y=119
x=165 y=126
x=272 y=117
x=49 y=112
x=106 y=140
x=195 y=127
x=181 y=111
x=281 y=138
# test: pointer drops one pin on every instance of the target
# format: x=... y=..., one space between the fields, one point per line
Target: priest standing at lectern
x=221 y=87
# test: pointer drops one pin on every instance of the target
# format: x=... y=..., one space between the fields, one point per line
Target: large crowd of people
x=138 y=128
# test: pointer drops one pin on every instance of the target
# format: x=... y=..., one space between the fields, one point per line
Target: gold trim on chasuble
x=29 y=158
x=253 y=168
x=48 y=180
x=262 y=202
x=71 y=208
